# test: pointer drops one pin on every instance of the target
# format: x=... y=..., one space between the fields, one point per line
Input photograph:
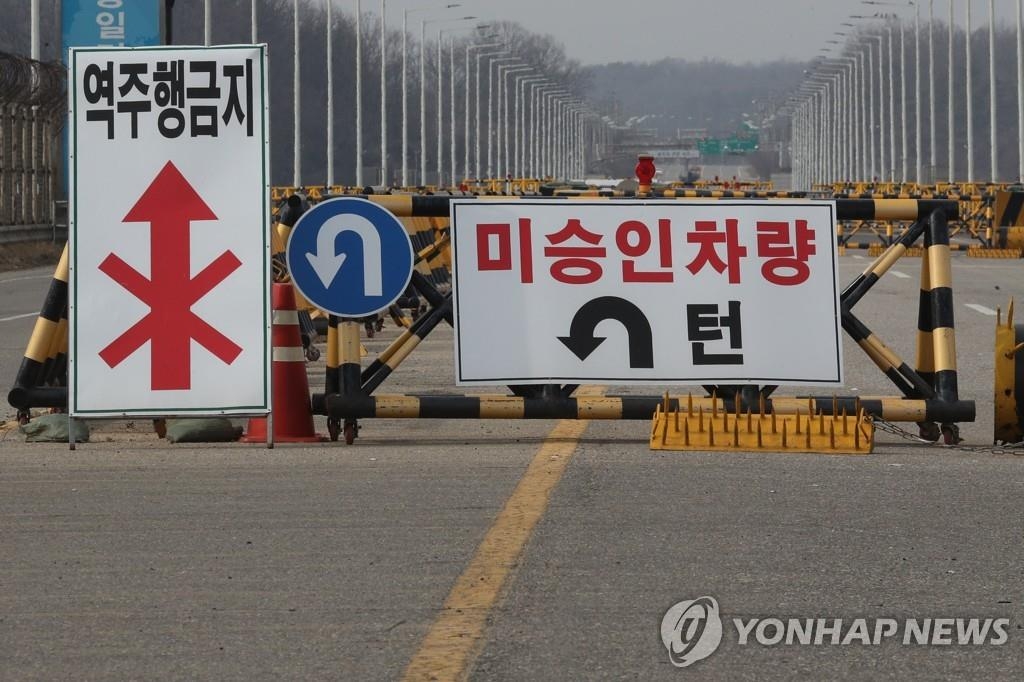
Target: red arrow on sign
x=169 y=205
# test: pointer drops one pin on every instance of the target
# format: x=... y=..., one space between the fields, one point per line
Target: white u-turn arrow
x=327 y=263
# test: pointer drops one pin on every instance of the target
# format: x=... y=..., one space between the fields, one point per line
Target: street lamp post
x=919 y=169
x=490 y=111
x=440 y=107
x=470 y=48
x=992 y=91
x=892 y=109
x=881 y=117
x=359 y=94
x=950 y=118
x=903 y=105
x=296 y=138
x=969 y=98
x=520 y=135
x=503 y=125
x=330 y=95
x=489 y=55
x=1020 y=94
x=423 y=91
x=384 y=179
x=405 y=89
x=932 y=147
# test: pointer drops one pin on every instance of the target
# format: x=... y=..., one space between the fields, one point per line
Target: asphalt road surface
x=506 y=550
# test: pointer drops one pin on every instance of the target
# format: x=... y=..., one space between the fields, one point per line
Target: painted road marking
x=981 y=309
x=899 y=275
x=18 y=317
x=857 y=257
x=452 y=642
x=25 y=278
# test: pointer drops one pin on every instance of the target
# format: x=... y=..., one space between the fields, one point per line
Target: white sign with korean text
x=169 y=309
x=667 y=292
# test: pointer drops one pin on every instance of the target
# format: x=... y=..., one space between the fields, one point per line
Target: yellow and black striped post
x=940 y=276
x=290 y=213
x=332 y=380
x=28 y=391
x=1009 y=219
x=925 y=325
x=350 y=381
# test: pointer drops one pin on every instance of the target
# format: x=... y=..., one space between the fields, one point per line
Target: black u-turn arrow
x=582 y=342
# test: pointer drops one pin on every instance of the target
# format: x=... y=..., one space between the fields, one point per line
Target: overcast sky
x=601 y=31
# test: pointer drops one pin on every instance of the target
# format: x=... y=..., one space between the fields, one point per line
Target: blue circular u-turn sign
x=349 y=257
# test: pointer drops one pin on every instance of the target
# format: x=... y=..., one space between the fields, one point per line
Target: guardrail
x=11 y=234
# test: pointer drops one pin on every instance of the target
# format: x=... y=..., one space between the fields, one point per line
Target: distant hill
x=676 y=94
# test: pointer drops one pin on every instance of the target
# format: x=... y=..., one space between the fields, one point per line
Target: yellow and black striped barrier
x=415 y=205
x=929 y=393
x=1008 y=390
x=634 y=407
x=46 y=351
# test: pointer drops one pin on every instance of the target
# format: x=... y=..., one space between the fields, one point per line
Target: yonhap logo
x=691 y=631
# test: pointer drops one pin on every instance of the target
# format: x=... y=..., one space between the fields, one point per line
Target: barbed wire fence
x=33 y=99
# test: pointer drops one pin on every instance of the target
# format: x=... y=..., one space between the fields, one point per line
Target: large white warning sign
x=169 y=254
x=624 y=292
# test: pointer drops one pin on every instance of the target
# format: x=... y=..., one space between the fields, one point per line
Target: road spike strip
x=1009 y=315
x=689 y=404
x=724 y=431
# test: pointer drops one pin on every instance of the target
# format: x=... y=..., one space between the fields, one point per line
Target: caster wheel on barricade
x=929 y=431
x=333 y=428
x=351 y=431
x=369 y=330
x=312 y=353
x=951 y=434
x=23 y=417
x=380 y=324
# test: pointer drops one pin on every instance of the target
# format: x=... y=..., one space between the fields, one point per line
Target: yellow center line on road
x=453 y=641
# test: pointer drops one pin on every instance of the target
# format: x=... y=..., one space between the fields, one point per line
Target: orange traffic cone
x=293 y=416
